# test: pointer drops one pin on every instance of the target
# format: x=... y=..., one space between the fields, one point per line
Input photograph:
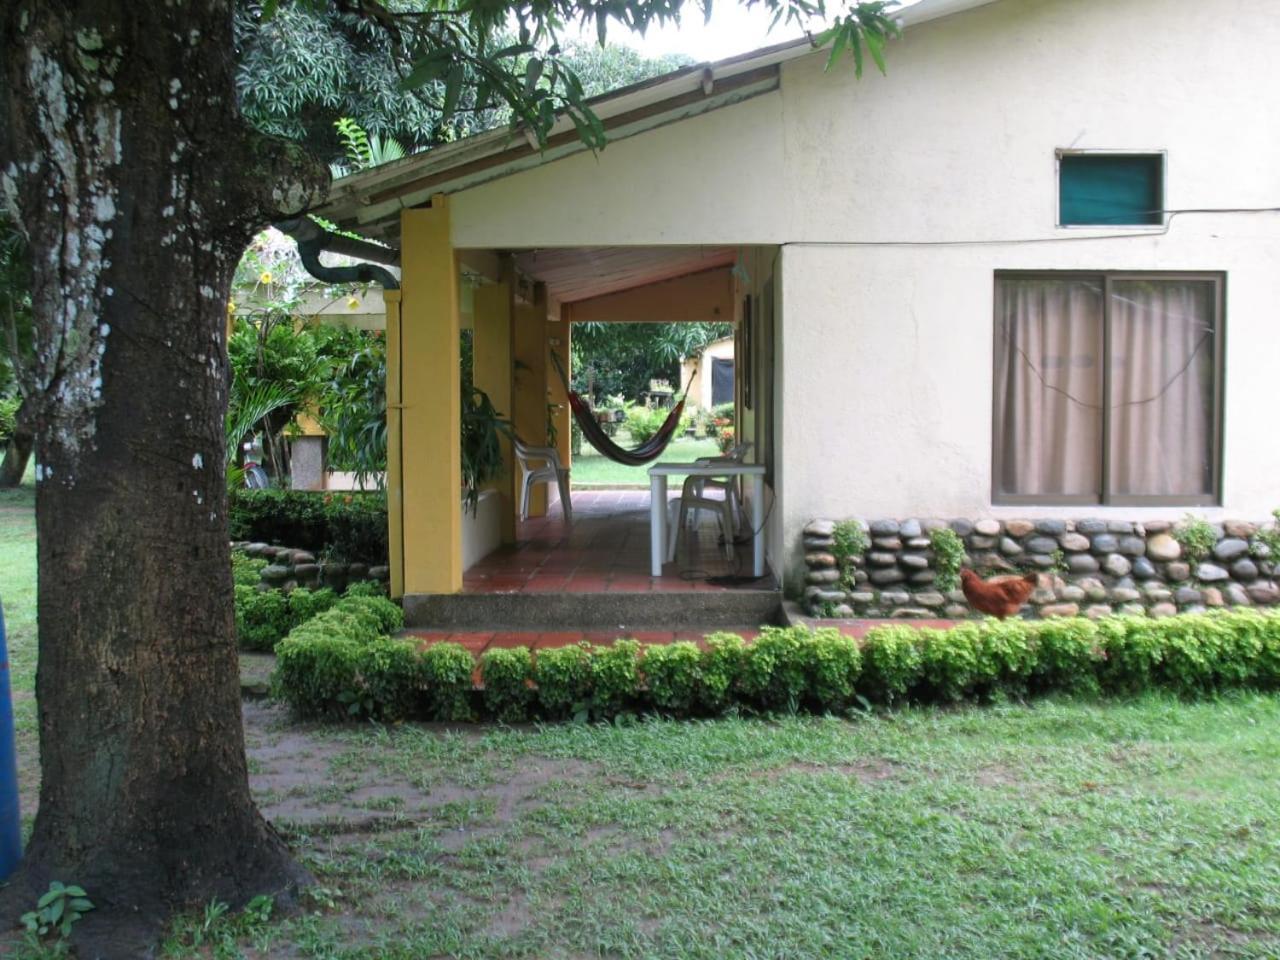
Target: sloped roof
x=369 y=202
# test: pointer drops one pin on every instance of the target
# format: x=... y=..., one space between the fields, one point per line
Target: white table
x=658 y=505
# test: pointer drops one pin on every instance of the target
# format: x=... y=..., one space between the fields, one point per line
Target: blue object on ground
x=10 y=822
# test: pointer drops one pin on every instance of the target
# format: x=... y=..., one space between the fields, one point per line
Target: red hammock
x=648 y=451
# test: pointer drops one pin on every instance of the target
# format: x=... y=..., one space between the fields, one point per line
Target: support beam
x=529 y=381
x=705 y=297
x=430 y=467
x=492 y=374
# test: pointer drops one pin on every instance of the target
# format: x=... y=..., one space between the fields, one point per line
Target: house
x=709 y=376
x=1027 y=281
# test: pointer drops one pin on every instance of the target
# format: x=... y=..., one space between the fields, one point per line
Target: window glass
x=1110 y=190
x=1049 y=385
x=1162 y=387
x=1106 y=388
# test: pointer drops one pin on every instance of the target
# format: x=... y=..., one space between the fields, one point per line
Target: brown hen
x=1001 y=596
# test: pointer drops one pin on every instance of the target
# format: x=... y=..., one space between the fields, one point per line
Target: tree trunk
x=17 y=453
x=123 y=158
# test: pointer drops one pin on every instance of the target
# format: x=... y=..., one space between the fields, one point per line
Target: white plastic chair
x=550 y=472
x=678 y=516
x=729 y=485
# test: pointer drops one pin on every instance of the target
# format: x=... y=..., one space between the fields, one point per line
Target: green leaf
x=81 y=905
x=515 y=50
x=57 y=910
x=452 y=91
x=269 y=8
x=48 y=898
x=837 y=48
x=532 y=73
x=429 y=68
x=875 y=43
x=856 y=47
x=75 y=891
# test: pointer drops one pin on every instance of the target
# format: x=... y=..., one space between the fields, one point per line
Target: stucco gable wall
x=709 y=179
x=958 y=141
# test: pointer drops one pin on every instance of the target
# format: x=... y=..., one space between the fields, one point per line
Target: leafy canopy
x=465 y=58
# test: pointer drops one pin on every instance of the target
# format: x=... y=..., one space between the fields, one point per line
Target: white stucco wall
x=895 y=199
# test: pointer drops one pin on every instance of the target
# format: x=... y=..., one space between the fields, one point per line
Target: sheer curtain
x=1048 y=385
x=1162 y=387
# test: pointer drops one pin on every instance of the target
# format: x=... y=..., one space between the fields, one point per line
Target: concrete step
x=649 y=610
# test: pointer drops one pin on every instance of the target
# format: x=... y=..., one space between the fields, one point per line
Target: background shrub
x=563 y=678
x=672 y=673
x=891 y=663
x=723 y=662
x=776 y=670
x=835 y=664
x=349 y=527
x=246 y=571
x=305 y=604
x=507 y=676
x=365 y=588
x=342 y=663
x=1065 y=654
x=262 y=617
x=447 y=671
x=615 y=677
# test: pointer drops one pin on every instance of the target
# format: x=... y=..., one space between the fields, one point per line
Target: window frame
x=1061 y=152
x=1105 y=497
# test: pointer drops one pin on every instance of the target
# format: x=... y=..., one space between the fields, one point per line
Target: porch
x=592 y=576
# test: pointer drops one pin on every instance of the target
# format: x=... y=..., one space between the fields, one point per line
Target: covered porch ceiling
x=582 y=273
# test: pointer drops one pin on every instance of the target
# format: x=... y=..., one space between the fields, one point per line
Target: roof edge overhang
x=369 y=202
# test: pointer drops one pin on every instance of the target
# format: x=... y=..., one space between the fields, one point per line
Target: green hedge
x=263 y=617
x=332 y=668
x=349 y=527
x=342 y=663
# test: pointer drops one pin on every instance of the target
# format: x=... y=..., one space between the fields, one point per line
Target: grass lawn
x=592 y=470
x=1061 y=829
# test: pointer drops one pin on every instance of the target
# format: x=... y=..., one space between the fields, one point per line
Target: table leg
x=757 y=524
x=657 y=522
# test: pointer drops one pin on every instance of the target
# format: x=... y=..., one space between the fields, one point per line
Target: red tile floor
x=606 y=550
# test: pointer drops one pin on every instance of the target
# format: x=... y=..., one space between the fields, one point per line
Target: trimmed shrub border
x=341 y=665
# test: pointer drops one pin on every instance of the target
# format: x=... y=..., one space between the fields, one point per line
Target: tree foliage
x=308 y=66
x=621 y=358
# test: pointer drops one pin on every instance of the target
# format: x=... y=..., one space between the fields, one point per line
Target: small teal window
x=1109 y=189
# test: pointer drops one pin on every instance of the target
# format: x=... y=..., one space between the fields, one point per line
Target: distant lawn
x=18 y=598
x=590 y=469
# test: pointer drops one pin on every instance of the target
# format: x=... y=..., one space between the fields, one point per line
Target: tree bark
x=137 y=186
x=17 y=453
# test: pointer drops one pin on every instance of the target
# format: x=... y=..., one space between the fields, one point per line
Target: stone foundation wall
x=1091 y=568
x=291 y=568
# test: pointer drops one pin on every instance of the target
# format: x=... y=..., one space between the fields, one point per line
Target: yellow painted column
x=529 y=382
x=558 y=341
x=430 y=451
x=395 y=476
x=492 y=374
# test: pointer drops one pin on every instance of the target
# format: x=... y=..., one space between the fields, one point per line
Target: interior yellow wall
x=492 y=374
x=558 y=340
x=529 y=381
x=430 y=469
x=395 y=472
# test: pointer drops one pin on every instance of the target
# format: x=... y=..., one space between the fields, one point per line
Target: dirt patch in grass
x=870 y=770
x=305 y=776
x=997 y=775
